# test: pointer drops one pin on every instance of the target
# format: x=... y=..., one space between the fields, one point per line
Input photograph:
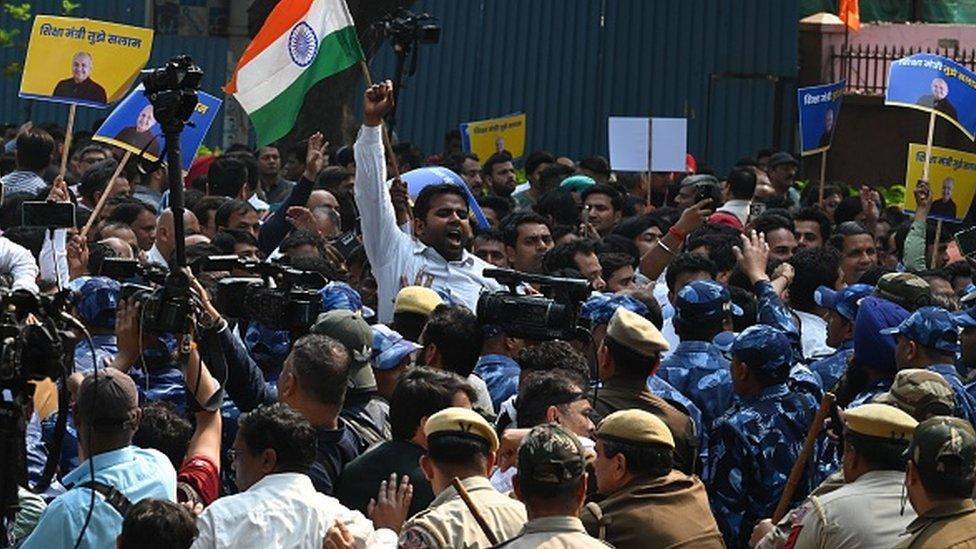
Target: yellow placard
x=952 y=178
x=83 y=61
x=487 y=137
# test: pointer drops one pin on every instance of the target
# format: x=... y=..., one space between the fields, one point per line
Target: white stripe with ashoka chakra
x=271 y=72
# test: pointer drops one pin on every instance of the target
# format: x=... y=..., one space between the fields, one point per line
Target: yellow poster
x=487 y=137
x=952 y=178
x=83 y=61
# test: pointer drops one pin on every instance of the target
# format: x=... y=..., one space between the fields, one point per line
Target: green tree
x=12 y=18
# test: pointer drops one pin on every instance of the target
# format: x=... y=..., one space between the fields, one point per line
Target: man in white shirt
x=737 y=191
x=279 y=507
x=440 y=223
x=165 y=241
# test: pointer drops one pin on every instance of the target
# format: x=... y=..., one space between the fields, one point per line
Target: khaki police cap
x=636 y=333
x=635 y=427
x=416 y=299
x=461 y=421
x=881 y=421
x=920 y=393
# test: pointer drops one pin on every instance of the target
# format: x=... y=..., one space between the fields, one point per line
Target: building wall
x=570 y=64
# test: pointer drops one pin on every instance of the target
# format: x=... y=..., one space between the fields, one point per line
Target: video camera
x=161 y=293
x=279 y=297
x=405 y=28
x=35 y=343
x=553 y=315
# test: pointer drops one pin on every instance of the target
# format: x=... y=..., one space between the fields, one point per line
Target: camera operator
x=440 y=223
x=106 y=416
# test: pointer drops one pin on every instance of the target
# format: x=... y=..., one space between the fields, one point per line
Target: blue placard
x=819 y=108
x=132 y=127
x=933 y=83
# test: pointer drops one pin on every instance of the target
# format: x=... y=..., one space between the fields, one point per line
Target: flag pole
x=101 y=200
x=67 y=139
x=386 y=135
x=823 y=177
x=925 y=177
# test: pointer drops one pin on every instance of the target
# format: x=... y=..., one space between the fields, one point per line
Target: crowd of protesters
x=722 y=309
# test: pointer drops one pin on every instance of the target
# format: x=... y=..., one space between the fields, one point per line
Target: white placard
x=641 y=144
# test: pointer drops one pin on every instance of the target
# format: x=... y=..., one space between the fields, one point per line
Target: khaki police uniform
x=667 y=511
x=448 y=522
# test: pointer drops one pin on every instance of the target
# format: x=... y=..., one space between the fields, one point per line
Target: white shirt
x=813 y=336
x=394 y=255
x=18 y=262
x=156 y=257
x=282 y=510
x=738 y=208
x=54 y=258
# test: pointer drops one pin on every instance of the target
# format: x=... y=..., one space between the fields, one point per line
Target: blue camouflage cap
x=97 y=300
x=766 y=349
x=599 y=308
x=843 y=302
x=389 y=347
x=704 y=300
x=339 y=295
x=932 y=327
x=965 y=318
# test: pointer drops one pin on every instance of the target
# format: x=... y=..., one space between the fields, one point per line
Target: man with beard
x=440 y=223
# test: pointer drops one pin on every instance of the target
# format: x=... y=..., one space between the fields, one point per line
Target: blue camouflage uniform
x=874 y=352
x=754 y=445
x=843 y=304
x=964 y=320
x=936 y=329
x=698 y=369
x=771 y=311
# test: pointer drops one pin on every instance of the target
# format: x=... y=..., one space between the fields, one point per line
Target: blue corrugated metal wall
x=569 y=64
x=208 y=52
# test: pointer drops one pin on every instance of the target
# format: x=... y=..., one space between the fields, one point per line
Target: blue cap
x=873 y=349
x=766 y=349
x=389 y=347
x=599 y=308
x=843 y=302
x=931 y=327
x=97 y=300
x=339 y=295
x=704 y=300
x=723 y=341
x=966 y=318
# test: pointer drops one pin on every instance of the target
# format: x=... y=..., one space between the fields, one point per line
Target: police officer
x=929 y=339
x=940 y=481
x=629 y=353
x=460 y=443
x=754 y=445
x=841 y=311
x=697 y=367
x=645 y=502
x=552 y=481
x=919 y=393
x=867 y=509
x=873 y=369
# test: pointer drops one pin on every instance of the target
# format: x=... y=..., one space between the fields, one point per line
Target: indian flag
x=301 y=42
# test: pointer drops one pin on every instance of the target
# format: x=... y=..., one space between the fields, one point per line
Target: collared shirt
x=831 y=368
x=965 y=404
x=156 y=257
x=137 y=473
x=951 y=524
x=22 y=181
x=501 y=374
x=752 y=450
x=106 y=348
x=394 y=255
x=553 y=533
x=282 y=510
x=863 y=513
x=19 y=263
x=873 y=390
x=700 y=371
x=813 y=336
x=278 y=192
x=738 y=208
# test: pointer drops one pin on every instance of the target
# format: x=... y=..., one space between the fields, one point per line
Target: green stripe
x=337 y=52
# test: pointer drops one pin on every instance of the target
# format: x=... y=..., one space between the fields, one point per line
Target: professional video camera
x=406 y=30
x=553 y=315
x=35 y=343
x=163 y=297
x=279 y=297
x=172 y=90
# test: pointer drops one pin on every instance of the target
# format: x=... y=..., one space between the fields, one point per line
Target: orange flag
x=850 y=14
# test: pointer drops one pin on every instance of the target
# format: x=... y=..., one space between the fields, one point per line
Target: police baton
x=492 y=538
x=784 y=501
